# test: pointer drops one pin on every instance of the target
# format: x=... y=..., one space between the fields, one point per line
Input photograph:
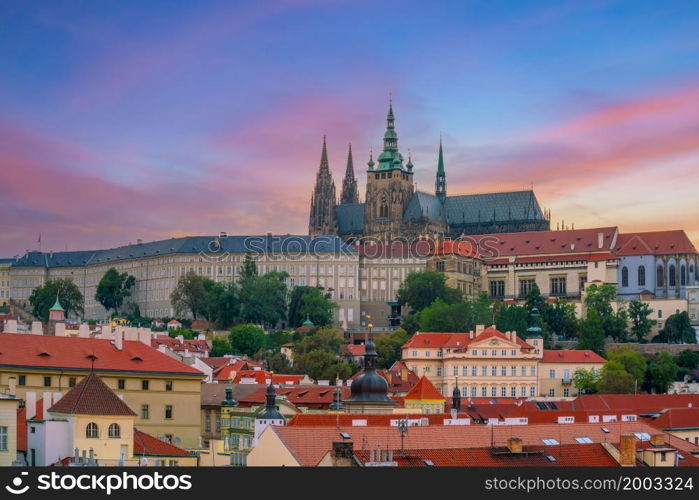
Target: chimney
x=514 y=444
x=403 y=372
x=47 y=403
x=37 y=329
x=180 y=339
x=144 y=336
x=343 y=449
x=30 y=404
x=84 y=330
x=119 y=340
x=12 y=386
x=59 y=329
x=600 y=240
x=627 y=450
x=657 y=440
x=479 y=329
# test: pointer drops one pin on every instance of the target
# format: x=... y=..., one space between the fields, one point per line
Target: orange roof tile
x=77 y=353
x=145 y=444
x=654 y=243
x=424 y=389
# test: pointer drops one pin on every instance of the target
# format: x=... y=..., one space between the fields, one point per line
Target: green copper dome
x=308 y=322
x=57 y=306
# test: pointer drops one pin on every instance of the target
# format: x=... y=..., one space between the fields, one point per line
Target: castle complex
x=393 y=207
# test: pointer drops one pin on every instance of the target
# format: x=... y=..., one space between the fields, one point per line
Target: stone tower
x=350 y=193
x=323 y=199
x=389 y=186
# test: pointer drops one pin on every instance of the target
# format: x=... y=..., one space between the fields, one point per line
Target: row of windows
x=558 y=286
x=474 y=352
x=92 y=431
x=145 y=412
x=485 y=371
x=503 y=391
x=121 y=383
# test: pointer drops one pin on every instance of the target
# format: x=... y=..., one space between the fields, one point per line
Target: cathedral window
x=672 y=278
x=660 y=276
x=642 y=276
x=624 y=276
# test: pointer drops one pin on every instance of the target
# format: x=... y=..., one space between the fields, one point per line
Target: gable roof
x=147 y=445
x=459 y=340
x=676 y=418
x=78 y=353
x=91 y=396
x=654 y=243
x=174 y=344
x=424 y=389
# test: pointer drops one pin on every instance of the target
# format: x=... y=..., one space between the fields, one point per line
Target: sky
x=126 y=120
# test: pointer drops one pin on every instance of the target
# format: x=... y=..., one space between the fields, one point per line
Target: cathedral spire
x=323 y=200
x=390 y=158
x=350 y=193
x=441 y=182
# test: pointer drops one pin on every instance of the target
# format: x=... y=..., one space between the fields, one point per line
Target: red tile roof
x=572 y=356
x=217 y=362
x=307 y=396
x=263 y=377
x=574 y=241
x=354 y=349
x=174 y=344
x=147 y=445
x=365 y=420
x=424 y=389
x=91 y=396
x=77 y=353
x=227 y=372
x=455 y=247
x=676 y=418
x=310 y=444
x=570 y=455
x=645 y=402
x=654 y=243
x=458 y=340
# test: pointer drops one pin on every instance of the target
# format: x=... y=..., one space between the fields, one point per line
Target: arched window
x=642 y=276
x=624 y=276
x=672 y=278
x=683 y=275
x=92 y=431
x=383 y=211
x=660 y=277
x=114 y=431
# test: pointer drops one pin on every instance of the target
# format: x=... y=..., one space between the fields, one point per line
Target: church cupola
x=441 y=181
x=270 y=415
x=229 y=401
x=369 y=391
x=337 y=405
x=371 y=163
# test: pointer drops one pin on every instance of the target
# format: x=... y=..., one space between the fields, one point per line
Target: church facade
x=393 y=208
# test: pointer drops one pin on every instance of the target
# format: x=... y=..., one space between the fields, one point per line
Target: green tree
x=322 y=339
x=220 y=347
x=688 y=359
x=322 y=365
x=411 y=323
x=246 y=339
x=511 y=317
x=599 y=298
x=641 y=324
x=678 y=329
x=421 y=288
x=277 y=338
x=462 y=316
x=44 y=296
x=113 y=288
x=560 y=319
x=186 y=334
x=586 y=381
x=591 y=333
x=633 y=361
x=388 y=347
x=249 y=271
x=274 y=361
x=190 y=295
x=310 y=302
x=535 y=299
x=263 y=298
x=616 y=380
x=222 y=304
x=662 y=371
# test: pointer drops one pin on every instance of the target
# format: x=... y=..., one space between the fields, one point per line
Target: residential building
x=5 y=265
x=164 y=393
x=557 y=370
x=9 y=406
x=424 y=397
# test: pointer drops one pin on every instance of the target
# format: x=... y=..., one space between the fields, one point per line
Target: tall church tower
x=441 y=181
x=323 y=200
x=350 y=193
x=389 y=186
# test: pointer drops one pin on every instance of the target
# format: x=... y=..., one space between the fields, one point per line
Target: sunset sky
x=122 y=120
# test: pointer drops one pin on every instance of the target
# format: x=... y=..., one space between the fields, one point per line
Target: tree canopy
x=114 y=288
x=190 y=294
x=246 y=339
x=68 y=293
x=422 y=288
x=310 y=302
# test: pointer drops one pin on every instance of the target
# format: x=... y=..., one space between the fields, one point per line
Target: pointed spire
x=350 y=193
x=371 y=160
x=324 y=164
x=441 y=181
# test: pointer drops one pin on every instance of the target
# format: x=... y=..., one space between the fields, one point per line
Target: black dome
x=369 y=386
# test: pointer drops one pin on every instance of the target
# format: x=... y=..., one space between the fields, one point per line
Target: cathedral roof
x=487 y=207
x=426 y=205
x=350 y=218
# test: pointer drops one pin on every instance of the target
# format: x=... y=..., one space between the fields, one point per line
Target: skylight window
x=429 y=463
x=550 y=442
x=551 y=458
x=584 y=440
x=643 y=436
x=345 y=435
x=605 y=430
